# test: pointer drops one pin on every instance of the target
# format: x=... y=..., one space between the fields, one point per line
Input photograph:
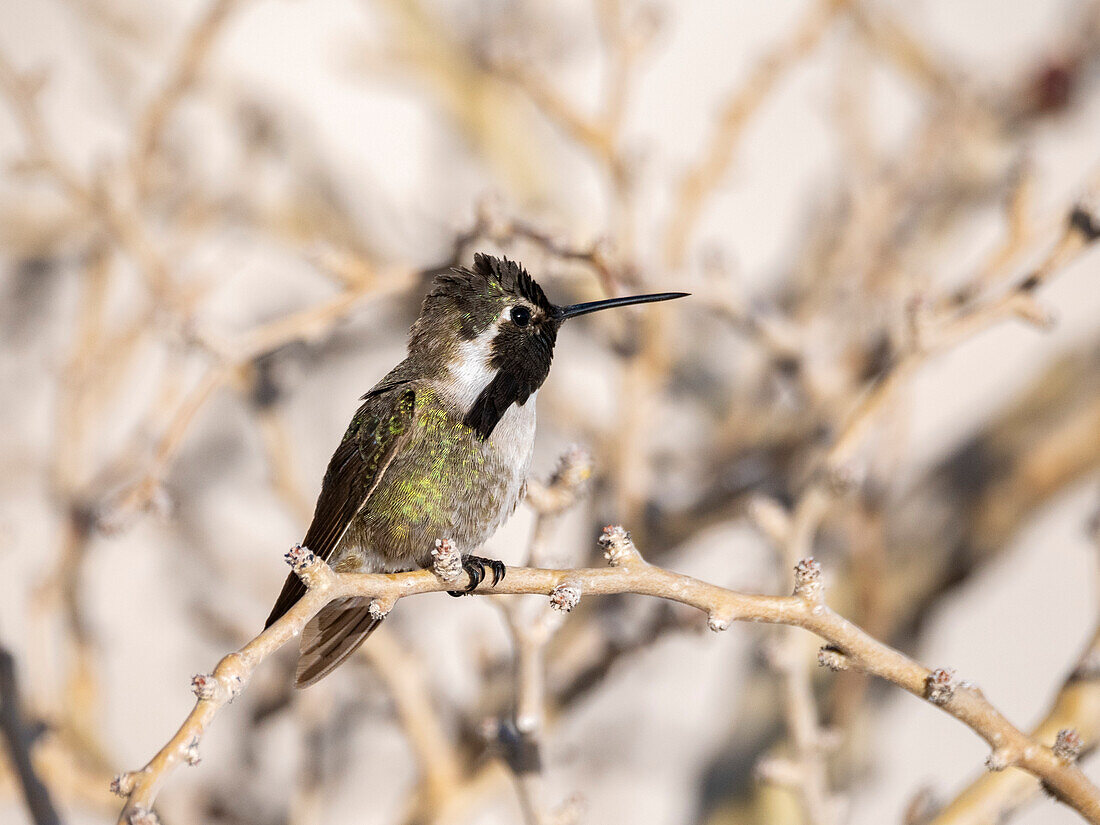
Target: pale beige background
x=634 y=751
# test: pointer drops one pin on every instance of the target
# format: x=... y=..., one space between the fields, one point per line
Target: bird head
x=492 y=330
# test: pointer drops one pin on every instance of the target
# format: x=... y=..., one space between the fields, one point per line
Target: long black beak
x=561 y=313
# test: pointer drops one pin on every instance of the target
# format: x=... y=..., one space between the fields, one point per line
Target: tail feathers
x=331 y=636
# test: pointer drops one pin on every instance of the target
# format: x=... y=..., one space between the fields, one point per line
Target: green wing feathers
x=376 y=432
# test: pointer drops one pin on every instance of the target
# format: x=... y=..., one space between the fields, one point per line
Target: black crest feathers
x=512 y=278
x=474 y=297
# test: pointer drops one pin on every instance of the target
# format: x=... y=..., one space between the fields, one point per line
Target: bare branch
x=628 y=573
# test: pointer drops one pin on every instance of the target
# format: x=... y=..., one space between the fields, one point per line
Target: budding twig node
x=718 y=623
x=939 y=686
x=224 y=684
x=565 y=597
x=299 y=558
x=807 y=581
x=833 y=658
x=1067 y=745
x=999 y=759
x=305 y=563
x=446 y=560
x=202 y=685
x=618 y=547
x=380 y=607
x=123 y=784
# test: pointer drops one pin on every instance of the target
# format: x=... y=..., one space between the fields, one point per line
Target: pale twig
x=888 y=36
x=627 y=573
x=22 y=92
x=124 y=225
x=440 y=765
x=504 y=229
x=994 y=797
x=308 y=324
x=1080 y=231
x=631 y=465
x=704 y=178
x=311 y=788
x=806 y=770
x=531 y=634
x=529 y=639
x=193 y=54
x=117 y=513
x=548 y=500
x=808 y=774
x=811 y=778
x=558 y=109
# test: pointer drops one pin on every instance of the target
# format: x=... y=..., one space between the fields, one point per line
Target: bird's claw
x=475 y=567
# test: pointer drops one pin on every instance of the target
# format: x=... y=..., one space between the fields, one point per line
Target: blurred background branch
x=217 y=220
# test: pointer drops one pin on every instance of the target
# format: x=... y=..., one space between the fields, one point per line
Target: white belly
x=513 y=438
x=512 y=444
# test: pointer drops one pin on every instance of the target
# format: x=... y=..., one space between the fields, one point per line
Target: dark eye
x=521 y=316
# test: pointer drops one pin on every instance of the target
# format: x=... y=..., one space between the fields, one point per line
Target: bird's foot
x=475 y=567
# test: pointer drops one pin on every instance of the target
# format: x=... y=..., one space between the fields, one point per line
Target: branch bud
x=940 y=686
x=202 y=685
x=998 y=760
x=832 y=658
x=618 y=547
x=206 y=686
x=304 y=563
x=565 y=597
x=299 y=558
x=123 y=784
x=1068 y=745
x=379 y=608
x=446 y=560
x=718 y=623
x=807 y=581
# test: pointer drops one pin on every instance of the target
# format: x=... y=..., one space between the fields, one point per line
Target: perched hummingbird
x=440 y=447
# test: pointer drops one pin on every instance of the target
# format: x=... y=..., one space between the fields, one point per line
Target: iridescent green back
x=445 y=483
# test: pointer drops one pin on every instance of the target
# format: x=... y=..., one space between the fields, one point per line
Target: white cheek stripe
x=470 y=373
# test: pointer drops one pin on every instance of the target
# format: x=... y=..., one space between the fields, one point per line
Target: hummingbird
x=439 y=448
